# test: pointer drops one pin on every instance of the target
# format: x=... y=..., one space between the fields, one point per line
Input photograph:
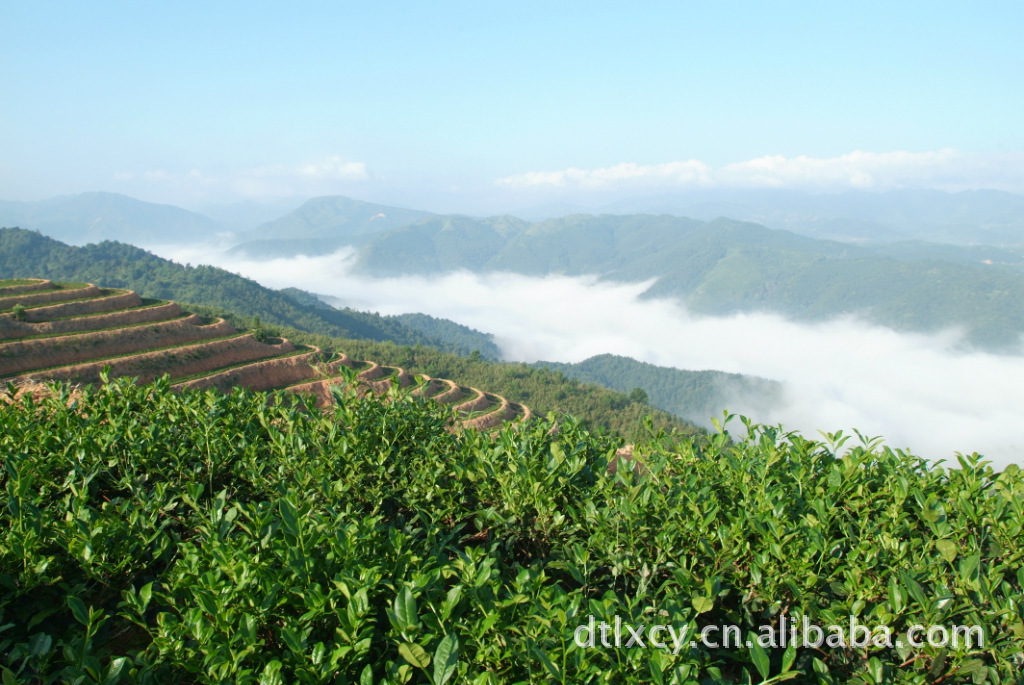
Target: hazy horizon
x=481 y=109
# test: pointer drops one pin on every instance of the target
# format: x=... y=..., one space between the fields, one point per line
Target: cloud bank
x=945 y=169
x=917 y=391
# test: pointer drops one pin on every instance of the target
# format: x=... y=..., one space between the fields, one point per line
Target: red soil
x=32 y=299
x=41 y=353
x=478 y=402
x=262 y=375
x=39 y=284
x=94 y=306
x=375 y=371
x=452 y=394
x=382 y=386
x=178 y=361
x=504 y=412
x=12 y=330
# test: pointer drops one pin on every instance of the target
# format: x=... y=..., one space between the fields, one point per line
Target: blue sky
x=465 y=105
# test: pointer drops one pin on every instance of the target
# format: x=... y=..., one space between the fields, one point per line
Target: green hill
x=451 y=332
x=125 y=266
x=92 y=217
x=693 y=395
x=969 y=217
x=322 y=225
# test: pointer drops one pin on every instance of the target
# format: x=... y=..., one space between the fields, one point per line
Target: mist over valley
x=931 y=393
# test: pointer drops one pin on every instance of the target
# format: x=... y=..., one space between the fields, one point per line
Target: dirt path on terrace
x=32 y=299
x=96 y=305
x=12 y=330
x=26 y=355
x=262 y=375
x=179 y=361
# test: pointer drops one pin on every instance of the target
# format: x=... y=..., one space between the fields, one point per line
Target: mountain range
x=715 y=266
x=92 y=217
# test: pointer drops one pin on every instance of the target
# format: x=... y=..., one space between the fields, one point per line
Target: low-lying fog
x=915 y=390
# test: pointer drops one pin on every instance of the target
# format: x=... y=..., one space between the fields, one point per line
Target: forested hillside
x=694 y=395
x=322 y=225
x=27 y=253
x=454 y=335
x=969 y=217
x=451 y=332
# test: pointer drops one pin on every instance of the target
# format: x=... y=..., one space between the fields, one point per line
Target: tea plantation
x=154 y=536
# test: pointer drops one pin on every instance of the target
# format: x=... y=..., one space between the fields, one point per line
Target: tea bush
x=156 y=537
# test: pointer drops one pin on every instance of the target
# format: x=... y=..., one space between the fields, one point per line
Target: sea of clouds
x=922 y=392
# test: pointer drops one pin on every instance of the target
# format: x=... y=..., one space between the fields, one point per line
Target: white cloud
x=945 y=169
x=682 y=173
x=331 y=175
x=333 y=168
x=918 y=391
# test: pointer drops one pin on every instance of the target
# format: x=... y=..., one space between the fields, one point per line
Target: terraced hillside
x=73 y=331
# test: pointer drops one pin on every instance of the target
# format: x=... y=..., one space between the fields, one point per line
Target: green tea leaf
x=760 y=657
x=271 y=673
x=404 y=611
x=446 y=658
x=545 y=661
x=876 y=669
x=947 y=549
x=414 y=654
x=702 y=604
x=788 y=657
x=79 y=611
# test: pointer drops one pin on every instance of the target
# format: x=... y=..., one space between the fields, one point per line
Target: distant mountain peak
x=334 y=217
x=99 y=215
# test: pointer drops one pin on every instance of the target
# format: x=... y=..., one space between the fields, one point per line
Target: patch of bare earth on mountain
x=262 y=375
x=13 y=330
x=96 y=305
x=36 y=298
x=26 y=355
x=38 y=391
x=179 y=361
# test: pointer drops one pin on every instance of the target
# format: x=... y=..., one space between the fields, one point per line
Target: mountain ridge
x=94 y=216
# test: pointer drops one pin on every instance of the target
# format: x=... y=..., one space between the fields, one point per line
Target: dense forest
x=693 y=395
x=463 y=339
x=451 y=332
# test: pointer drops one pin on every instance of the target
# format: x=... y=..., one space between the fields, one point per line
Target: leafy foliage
x=155 y=537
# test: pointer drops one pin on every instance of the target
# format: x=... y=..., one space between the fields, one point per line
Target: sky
x=482 y=106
